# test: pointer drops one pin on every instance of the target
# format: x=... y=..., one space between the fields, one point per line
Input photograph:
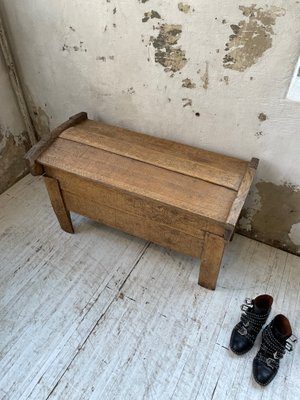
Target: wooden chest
x=177 y=196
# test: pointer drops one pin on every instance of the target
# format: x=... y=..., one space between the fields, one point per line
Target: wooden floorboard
x=103 y=315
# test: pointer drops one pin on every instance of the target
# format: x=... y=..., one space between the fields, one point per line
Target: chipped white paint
x=295 y=234
x=101 y=60
x=103 y=315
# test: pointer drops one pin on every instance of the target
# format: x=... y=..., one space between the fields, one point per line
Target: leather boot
x=254 y=316
x=276 y=339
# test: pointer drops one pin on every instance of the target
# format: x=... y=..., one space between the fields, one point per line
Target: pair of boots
x=277 y=337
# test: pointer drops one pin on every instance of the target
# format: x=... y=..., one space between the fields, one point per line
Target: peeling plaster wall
x=210 y=74
x=13 y=138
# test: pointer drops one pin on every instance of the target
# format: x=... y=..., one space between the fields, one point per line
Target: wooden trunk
x=177 y=196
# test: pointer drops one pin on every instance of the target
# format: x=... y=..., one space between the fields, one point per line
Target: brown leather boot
x=255 y=314
x=277 y=337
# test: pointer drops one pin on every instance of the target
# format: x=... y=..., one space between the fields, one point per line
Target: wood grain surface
x=177 y=196
x=141 y=227
x=139 y=206
x=58 y=204
x=32 y=155
x=211 y=201
x=211 y=258
x=212 y=167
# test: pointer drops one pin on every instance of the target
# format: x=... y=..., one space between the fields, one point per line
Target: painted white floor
x=103 y=315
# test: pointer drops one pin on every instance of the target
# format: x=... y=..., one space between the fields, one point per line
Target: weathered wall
x=211 y=74
x=13 y=138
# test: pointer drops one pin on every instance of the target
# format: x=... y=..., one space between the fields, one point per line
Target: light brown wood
x=33 y=154
x=141 y=227
x=177 y=196
x=206 y=199
x=141 y=207
x=58 y=204
x=211 y=258
x=211 y=167
x=239 y=201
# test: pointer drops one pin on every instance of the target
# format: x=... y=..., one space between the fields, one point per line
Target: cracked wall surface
x=212 y=75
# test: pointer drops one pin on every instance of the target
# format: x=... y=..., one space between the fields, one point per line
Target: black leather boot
x=276 y=339
x=255 y=314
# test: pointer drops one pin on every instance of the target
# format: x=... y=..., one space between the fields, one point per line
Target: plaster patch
x=188 y=83
x=251 y=37
x=184 y=7
x=271 y=220
x=150 y=15
x=167 y=54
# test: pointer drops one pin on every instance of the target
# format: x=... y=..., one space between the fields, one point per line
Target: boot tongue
x=259 y=310
x=280 y=336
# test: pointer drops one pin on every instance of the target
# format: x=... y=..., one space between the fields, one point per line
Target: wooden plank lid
x=209 y=166
x=196 y=180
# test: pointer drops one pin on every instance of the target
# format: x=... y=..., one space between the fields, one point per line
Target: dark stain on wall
x=12 y=151
x=272 y=220
x=259 y=134
x=205 y=77
x=39 y=117
x=104 y=59
x=187 y=102
x=226 y=79
x=251 y=37
x=262 y=117
x=167 y=53
x=40 y=121
x=184 y=7
x=188 y=83
x=150 y=15
x=79 y=47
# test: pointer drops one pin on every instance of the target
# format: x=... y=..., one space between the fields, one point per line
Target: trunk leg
x=211 y=260
x=58 y=204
